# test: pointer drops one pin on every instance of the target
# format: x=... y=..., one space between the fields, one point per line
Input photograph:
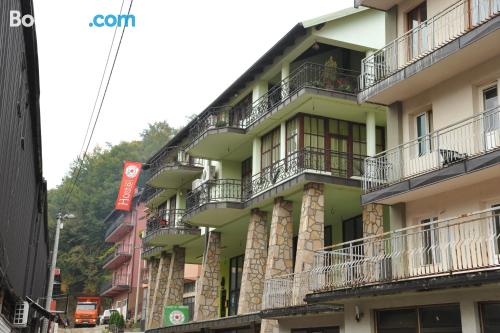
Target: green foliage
x=82 y=247
x=117 y=320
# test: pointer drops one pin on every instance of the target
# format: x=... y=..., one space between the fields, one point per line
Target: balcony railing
x=443 y=247
x=309 y=159
x=474 y=136
x=119 y=254
x=430 y=35
x=213 y=191
x=285 y=291
x=120 y=221
x=308 y=75
x=165 y=218
x=117 y=283
x=174 y=156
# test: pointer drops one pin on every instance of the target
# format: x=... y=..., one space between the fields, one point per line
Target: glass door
x=491 y=121
x=418 y=37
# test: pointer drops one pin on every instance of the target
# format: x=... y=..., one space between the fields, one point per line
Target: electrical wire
x=82 y=159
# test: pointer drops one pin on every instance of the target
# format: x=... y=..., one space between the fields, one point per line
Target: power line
x=82 y=159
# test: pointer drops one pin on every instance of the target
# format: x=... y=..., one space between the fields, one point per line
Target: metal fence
x=428 y=36
x=285 y=291
x=213 y=191
x=165 y=218
x=118 y=222
x=309 y=159
x=121 y=249
x=476 y=135
x=460 y=244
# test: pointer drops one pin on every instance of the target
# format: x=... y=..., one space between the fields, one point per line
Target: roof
x=332 y=16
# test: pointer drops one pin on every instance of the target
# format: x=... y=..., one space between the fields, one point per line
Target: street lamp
x=60 y=219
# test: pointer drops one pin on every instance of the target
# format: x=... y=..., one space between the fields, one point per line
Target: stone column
x=311 y=237
x=373 y=225
x=175 y=282
x=254 y=266
x=160 y=290
x=279 y=253
x=153 y=265
x=206 y=299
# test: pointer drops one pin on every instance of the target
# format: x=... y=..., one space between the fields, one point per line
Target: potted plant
x=330 y=73
x=116 y=322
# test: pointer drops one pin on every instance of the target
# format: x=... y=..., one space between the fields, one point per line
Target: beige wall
x=468 y=199
x=325 y=320
x=451 y=101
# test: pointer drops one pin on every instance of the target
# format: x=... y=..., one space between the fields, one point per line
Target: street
x=97 y=329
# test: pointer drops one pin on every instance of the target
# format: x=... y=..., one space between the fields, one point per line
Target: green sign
x=175 y=315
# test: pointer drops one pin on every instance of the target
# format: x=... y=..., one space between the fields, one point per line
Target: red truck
x=87 y=311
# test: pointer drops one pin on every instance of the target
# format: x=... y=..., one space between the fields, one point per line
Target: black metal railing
x=338 y=164
x=307 y=75
x=213 y=191
x=165 y=218
x=118 y=222
x=171 y=157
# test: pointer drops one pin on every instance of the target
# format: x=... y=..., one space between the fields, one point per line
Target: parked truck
x=87 y=311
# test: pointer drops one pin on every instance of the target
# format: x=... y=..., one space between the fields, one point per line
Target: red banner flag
x=131 y=171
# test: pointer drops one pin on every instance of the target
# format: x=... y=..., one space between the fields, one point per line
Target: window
x=246 y=171
x=189 y=302
x=496 y=226
x=270 y=149
x=418 y=40
x=314 y=142
x=430 y=242
x=292 y=136
x=189 y=287
x=490 y=317
x=425 y=319
x=491 y=121
x=424 y=127
x=352 y=228
x=235 y=272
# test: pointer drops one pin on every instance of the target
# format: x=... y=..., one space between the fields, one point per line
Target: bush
x=117 y=320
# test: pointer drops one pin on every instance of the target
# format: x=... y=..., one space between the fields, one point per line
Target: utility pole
x=50 y=287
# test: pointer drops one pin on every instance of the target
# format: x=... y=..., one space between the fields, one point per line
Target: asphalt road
x=97 y=329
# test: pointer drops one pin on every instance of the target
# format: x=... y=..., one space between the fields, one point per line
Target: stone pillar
x=206 y=299
x=373 y=225
x=279 y=253
x=160 y=290
x=311 y=237
x=254 y=266
x=153 y=265
x=175 y=282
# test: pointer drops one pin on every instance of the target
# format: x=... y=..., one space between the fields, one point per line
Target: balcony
x=229 y=123
x=393 y=72
x=458 y=149
x=443 y=248
x=118 y=284
x=118 y=229
x=159 y=196
x=151 y=251
x=310 y=160
x=211 y=199
x=468 y=243
x=166 y=228
x=121 y=255
x=174 y=169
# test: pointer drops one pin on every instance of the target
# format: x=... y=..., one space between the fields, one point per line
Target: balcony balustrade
x=313 y=160
x=214 y=191
x=308 y=75
x=474 y=136
x=166 y=227
x=468 y=243
x=120 y=255
x=118 y=229
x=165 y=218
x=117 y=284
x=427 y=37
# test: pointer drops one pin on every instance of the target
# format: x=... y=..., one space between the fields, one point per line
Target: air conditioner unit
x=208 y=174
x=21 y=314
x=196 y=183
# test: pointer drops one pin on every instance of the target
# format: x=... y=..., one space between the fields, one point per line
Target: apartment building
x=24 y=244
x=432 y=263
x=124 y=262
x=268 y=174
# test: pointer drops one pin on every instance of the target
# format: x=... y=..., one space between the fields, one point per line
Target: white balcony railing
x=466 y=243
x=430 y=35
x=474 y=136
x=285 y=291
x=456 y=245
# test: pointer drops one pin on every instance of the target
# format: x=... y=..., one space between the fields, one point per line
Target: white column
x=256 y=146
x=285 y=70
x=283 y=140
x=259 y=89
x=371 y=147
x=470 y=317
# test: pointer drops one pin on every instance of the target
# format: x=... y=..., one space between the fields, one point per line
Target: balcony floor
x=216 y=143
x=174 y=176
x=171 y=236
x=117 y=261
x=121 y=231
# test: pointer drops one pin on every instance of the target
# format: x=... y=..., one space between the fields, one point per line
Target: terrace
x=166 y=227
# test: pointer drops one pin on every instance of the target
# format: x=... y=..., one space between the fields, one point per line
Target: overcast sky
x=180 y=56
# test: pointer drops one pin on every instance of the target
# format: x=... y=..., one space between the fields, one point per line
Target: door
x=352 y=256
x=172 y=212
x=339 y=162
x=491 y=122
x=418 y=37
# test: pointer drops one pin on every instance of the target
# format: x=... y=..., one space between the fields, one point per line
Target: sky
x=177 y=59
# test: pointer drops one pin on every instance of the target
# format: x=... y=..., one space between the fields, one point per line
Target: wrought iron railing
x=165 y=218
x=118 y=222
x=309 y=159
x=285 y=291
x=443 y=247
x=474 y=136
x=308 y=75
x=213 y=191
x=428 y=36
x=171 y=157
